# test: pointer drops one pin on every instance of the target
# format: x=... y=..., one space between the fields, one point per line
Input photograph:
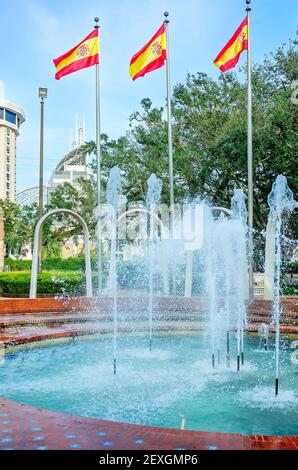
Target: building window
x=1 y=113
x=10 y=117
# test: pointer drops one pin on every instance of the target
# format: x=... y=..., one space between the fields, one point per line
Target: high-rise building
x=75 y=164
x=11 y=118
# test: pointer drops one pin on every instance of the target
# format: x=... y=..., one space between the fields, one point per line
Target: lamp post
x=42 y=94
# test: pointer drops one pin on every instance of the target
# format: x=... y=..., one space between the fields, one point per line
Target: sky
x=36 y=31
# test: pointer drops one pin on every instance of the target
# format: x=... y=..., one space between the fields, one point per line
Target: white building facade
x=11 y=118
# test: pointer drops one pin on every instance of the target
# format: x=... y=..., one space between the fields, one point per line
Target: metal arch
x=29 y=193
x=33 y=283
x=141 y=211
x=222 y=209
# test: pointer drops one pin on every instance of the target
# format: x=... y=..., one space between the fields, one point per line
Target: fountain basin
x=157 y=388
x=199 y=375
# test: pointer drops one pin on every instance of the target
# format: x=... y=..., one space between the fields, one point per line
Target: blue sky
x=36 y=31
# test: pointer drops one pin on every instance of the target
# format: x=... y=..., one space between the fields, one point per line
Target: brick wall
x=23 y=305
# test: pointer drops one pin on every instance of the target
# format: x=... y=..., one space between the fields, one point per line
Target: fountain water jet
x=227 y=276
x=113 y=193
x=264 y=335
x=152 y=199
x=280 y=201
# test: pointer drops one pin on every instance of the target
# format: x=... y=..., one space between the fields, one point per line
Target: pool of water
x=160 y=387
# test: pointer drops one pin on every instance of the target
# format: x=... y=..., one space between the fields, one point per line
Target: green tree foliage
x=209 y=138
x=18 y=225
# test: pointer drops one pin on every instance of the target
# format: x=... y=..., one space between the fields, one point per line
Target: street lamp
x=42 y=94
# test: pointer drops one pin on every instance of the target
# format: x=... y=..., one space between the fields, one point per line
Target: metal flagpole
x=98 y=161
x=249 y=154
x=169 y=109
x=170 y=143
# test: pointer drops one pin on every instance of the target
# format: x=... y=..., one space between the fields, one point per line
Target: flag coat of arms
x=151 y=57
x=229 y=55
x=85 y=54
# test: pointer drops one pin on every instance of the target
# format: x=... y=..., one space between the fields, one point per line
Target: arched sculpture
x=34 y=272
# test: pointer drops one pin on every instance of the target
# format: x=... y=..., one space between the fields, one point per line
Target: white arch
x=222 y=209
x=140 y=210
x=34 y=272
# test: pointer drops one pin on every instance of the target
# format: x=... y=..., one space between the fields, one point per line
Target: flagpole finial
x=248 y=5
x=166 y=14
x=96 y=19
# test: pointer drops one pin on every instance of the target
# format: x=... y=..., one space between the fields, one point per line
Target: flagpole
x=170 y=145
x=169 y=110
x=98 y=162
x=249 y=154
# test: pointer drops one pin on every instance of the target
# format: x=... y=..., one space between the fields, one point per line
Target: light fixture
x=42 y=93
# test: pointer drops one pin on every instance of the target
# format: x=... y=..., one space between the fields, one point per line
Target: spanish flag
x=79 y=57
x=229 y=55
x=151 y=57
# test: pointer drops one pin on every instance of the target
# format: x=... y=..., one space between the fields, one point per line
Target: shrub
x=293 y=267
x=18 y=265
x=15 y=283
x=48 y=264
x=290 y=289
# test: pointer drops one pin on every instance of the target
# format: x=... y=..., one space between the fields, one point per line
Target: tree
x=80 y=199
x=18 y=226
x=209 y=137
x=210 y=155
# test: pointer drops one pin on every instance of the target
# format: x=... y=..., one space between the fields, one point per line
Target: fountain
x=225 y=265
x=196 y=368
x=280 y=201
x=113 y=193
x=225 y=248
x=152 y=200
x=264 y=335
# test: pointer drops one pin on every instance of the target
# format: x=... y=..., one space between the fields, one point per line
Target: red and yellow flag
x=151 y=57
x=79 y=57
x=229 y=55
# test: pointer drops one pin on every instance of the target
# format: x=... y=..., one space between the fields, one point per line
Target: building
x=75 y=164
x=2 y=246
x=11 y=118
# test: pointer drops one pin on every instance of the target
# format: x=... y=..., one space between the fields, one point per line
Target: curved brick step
x=21 y=335
x=56 y=429
x=61 y=319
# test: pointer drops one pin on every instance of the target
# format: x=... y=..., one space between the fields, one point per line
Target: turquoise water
x=175 y=380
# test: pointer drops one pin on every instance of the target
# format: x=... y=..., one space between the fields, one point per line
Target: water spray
x=280 y=200
x=152 y=199
x=113 y=193
x=228 y=349
x=242 y=343
x=264 y=334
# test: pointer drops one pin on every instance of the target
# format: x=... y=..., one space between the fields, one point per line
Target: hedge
x=54 y=282
x=130 y=276
x=290 y=289
x=48 y=264
x=293 y=267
